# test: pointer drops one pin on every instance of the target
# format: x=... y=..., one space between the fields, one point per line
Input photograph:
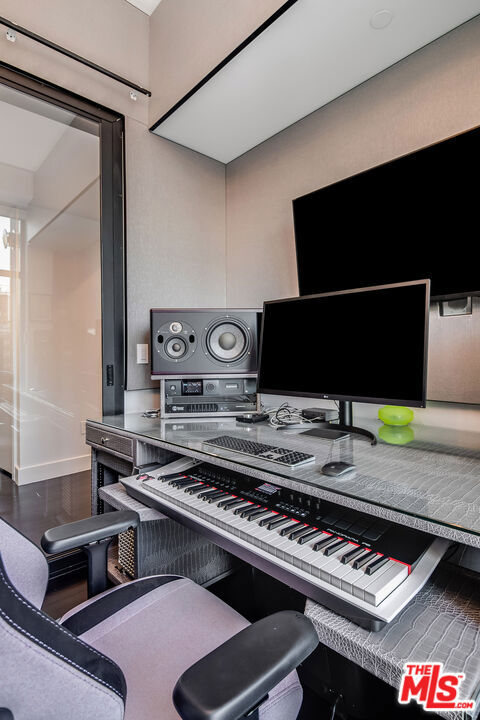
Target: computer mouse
x=336 y=468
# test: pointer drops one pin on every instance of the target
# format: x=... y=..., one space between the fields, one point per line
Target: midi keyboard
x=362 y=567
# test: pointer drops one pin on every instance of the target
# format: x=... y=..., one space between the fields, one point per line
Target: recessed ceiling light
x=381 y=19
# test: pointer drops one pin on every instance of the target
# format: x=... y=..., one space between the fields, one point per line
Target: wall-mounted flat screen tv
x=412 y=218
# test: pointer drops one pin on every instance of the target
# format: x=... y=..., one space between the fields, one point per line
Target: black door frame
x=112 y=223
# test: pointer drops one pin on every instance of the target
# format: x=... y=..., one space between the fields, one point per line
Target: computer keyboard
x=282 y=456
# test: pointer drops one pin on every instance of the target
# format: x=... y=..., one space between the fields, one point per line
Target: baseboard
x=58 y=468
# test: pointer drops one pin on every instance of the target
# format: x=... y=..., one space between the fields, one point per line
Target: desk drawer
x=109 y=441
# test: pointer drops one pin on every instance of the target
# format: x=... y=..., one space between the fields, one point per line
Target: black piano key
x=376 y=564
x=287 y=530
x=207 y=493
x=215 y=496
x=362 y=560
x=258 y=514
x=195 y=490
x=266 y=520
x=239 y=510
x=336 y=546
x=309 y=536
x=300 y=531
x=230 y=502
x=181 y=483
x=171 y=477
x=323 y=543
x=248 y=511
x=276 y=523
x=351 y=554
x=188 y=486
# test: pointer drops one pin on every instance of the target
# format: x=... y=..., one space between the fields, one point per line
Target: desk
x=431 y=483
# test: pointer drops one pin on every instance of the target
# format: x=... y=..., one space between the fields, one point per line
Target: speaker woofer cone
x=227 y=341
x=175 y=347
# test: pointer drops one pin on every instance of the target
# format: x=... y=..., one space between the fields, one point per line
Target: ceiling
x=146 y=6
x=313 y=53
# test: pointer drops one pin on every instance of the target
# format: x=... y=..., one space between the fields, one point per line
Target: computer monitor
x=366 y=345
x=420 y=208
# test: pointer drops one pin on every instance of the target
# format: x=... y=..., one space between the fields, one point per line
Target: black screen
x=367 y=345
x=412 y=218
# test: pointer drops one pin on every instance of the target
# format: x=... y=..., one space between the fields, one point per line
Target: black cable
x=334 y=706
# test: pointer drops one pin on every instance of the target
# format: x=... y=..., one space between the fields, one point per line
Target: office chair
x=158 y=648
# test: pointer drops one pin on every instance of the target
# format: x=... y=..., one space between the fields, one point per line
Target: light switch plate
x=142 y=354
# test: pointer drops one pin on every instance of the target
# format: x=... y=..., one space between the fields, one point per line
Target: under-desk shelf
x=441 y=624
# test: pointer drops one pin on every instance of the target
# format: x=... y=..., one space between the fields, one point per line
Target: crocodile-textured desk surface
x=441 y=624
x=433 y=482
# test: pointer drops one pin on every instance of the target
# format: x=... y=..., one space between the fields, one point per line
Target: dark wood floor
x=35 y=507
x=59 y=601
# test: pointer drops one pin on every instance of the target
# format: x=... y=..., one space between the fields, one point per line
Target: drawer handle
x=104 y=440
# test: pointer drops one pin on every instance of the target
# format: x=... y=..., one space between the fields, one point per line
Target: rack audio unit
x=208 y=396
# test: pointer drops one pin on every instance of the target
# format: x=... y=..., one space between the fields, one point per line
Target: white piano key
x=332 y=565
x=306 y=561
x=382 y=586
x=318 y=562
x=338 y=573
x=362 y=583
x=283 y=548
x=353 y=576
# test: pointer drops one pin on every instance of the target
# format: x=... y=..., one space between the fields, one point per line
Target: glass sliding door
x=55 y=169
x=51 y=329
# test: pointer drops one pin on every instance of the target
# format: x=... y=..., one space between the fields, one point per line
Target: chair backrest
x=24 y=563
x=45 y=670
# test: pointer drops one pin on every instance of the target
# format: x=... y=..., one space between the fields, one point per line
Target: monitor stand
x=345 y=420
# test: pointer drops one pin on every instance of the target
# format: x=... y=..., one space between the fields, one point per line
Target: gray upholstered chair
x=158 y=648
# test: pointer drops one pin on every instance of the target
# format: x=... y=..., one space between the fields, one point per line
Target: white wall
x=61 y=369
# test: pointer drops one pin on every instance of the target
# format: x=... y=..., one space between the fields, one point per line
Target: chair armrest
x=91 y=529
x=234 y=678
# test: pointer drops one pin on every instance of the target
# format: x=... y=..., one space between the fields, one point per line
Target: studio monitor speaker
x=204 y=342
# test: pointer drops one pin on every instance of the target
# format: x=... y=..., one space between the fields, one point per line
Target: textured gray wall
x=175 y=235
